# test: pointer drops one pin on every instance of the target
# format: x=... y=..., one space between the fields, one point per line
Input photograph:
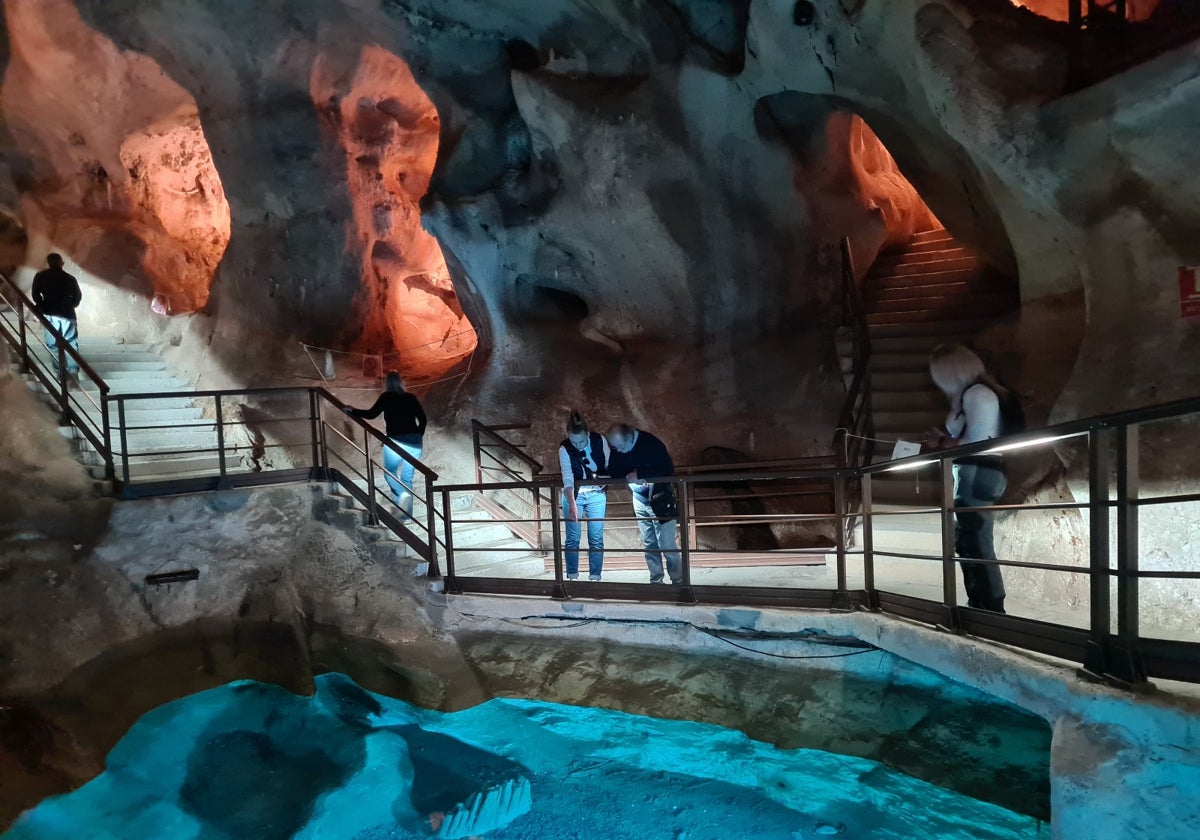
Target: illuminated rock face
x=389 y=131
x=1060 y=9
x=122 y=177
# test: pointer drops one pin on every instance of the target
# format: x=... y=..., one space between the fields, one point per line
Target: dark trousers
x=978 y=485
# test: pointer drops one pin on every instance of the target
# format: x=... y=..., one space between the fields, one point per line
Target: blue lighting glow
x=252 y=760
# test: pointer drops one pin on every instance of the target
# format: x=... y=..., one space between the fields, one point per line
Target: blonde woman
x=583 y=455
x=979 y=481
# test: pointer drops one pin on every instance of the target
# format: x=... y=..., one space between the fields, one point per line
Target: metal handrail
x=100 y=438
x=490 y=431
x=46 y=325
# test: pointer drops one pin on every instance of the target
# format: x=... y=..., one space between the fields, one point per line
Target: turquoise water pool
x=252 y=760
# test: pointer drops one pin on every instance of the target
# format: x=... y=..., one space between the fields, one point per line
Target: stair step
x=927 y=316
x=498 y=564
x=908 y=423
x=932 y=277
x=149 y=416
x=919 y=400
x=927 y=247
x=982 y=302
x=145 y=469
x=145 y=383
x=933 y=234
x=485 y=533
x=920 y=261
x=894 y=381
x=933 y=331
x=965 y=291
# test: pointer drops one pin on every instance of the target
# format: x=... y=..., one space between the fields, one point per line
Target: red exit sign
x=1189 y=295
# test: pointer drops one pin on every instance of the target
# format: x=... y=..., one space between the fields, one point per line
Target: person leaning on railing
x=582 y=455
x=56 y=295
x=641 y=457
x=979 y=480
x=405 y=421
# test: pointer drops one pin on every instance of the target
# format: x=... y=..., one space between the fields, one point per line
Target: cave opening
x=540 y=301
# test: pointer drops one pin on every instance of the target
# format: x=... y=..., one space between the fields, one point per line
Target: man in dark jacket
x=641 y=458
x=56 y=294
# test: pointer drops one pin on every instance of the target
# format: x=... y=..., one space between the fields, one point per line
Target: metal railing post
x=431 y=527
x=868 y=544
x=450 y=586
x=684 y=496
x=1096 y=655
x=949 y=581
x=841 y=597
x=109 y=468
x=475 y=448
x=220 y=437
x=124 y=441
x=537 y=510
x=1126 y=661
x=62 y=379
x=22 y=332
x=560 y=590
x=372 y=515
x=313 y=420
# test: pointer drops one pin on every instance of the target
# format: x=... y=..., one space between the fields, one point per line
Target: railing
x=1106 y=39
x=240 y=429
x=87 y=413
x=496 y=456
x=260 y=436
x=1089 y=626
x=854 y=438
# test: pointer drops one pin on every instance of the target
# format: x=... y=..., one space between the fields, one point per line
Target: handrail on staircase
x=57 y=386
x=853 y=442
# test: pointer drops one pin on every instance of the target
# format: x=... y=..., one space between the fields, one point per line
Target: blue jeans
x=658 y=538
x=978 y=485
x=402 y=487
x=70 y=334
x=591 y=506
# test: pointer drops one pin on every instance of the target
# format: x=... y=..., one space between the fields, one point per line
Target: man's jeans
x=658 y=538
x=402 y=487
x=591 y=506
x=70 y=333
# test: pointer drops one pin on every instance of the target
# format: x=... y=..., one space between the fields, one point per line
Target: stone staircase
x=166 y=437
x=483 y=547
x=931 y=291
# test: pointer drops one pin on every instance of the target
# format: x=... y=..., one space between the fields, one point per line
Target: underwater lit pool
x=252 y=760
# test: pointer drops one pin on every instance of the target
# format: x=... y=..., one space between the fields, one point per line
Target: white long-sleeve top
x=564 y=465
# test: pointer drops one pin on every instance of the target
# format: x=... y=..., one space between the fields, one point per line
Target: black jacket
x=56 y=293
x=402 y=413
x=649 y=457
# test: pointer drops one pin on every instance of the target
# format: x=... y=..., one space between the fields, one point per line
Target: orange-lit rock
x=854 y=188
x=123 y=180
x=389 y=130
x=1060 y=9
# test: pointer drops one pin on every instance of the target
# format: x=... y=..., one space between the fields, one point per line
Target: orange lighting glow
x=389 y=130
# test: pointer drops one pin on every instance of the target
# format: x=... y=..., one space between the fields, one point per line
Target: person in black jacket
x=405 y=422
x=583 y=455
x=641 y=457
x=56 y=295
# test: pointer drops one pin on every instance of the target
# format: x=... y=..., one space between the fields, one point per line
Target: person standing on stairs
x=641 y=458
x=582 y=455
x=56 y=295
x=979 y=481
x=405 y=421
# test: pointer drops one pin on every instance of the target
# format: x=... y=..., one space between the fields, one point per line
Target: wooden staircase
x=931 y=291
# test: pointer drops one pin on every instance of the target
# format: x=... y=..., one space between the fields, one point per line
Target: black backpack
x=1012 y=414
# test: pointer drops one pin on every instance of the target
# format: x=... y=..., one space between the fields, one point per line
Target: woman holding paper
x=979 y=480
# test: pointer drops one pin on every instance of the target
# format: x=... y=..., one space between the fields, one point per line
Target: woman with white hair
x=979 y=481
x=405 y=422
